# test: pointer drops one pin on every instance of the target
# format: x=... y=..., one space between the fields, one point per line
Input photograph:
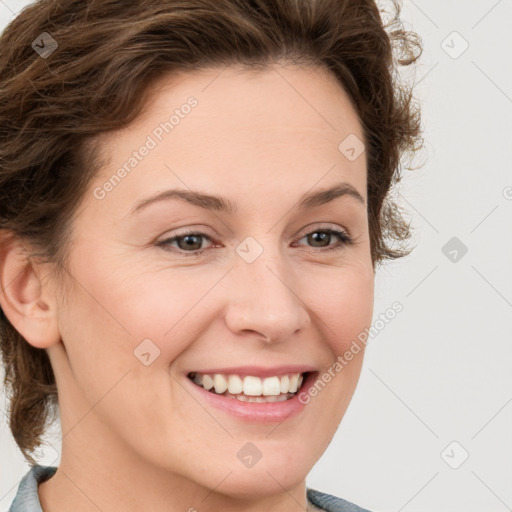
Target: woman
x=193 y=206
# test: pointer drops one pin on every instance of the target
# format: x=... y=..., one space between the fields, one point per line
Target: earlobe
x=25 y=296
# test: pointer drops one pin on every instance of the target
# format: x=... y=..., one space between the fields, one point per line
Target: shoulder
x=27 y=499
x=331 y=503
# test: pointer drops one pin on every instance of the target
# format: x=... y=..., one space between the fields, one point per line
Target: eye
x=189 y=240
x=325 y=236
x=189 y=243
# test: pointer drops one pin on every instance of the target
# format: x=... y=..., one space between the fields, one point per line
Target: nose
x=264 y=299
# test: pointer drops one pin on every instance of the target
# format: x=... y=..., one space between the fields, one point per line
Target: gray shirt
x=27 y=499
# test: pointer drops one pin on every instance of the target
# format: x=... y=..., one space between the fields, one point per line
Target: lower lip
x=267 y=412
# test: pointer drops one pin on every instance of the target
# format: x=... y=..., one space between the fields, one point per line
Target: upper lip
x=257 y=371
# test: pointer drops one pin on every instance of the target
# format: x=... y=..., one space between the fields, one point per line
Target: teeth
x=251 y=386
x=207 y=382
x=285 y=384
x=260 y=399
x=271 y=386
x=235 y=385
x=220 y=383
x=294 y=380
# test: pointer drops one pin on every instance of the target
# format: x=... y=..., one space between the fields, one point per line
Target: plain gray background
x=430 y=424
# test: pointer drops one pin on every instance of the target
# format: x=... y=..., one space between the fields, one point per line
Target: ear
x=26 y=297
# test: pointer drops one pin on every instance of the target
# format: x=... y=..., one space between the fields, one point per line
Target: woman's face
x=263 y=290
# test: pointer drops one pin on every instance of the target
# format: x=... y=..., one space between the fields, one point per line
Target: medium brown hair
x=109 y=52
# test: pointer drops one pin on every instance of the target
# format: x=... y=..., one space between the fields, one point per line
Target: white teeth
x=285 y=384
x=271 y=386
x=260 y=399
x=220 y=383
x=207 y=382
x=250 y=386
x=294 y=379
x=254 y=399
x=235 y=384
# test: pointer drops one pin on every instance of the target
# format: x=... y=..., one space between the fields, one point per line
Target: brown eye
x=189 y=244
x=192 y=242
x=320 y=238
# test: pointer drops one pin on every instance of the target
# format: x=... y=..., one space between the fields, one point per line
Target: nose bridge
x=263 y=298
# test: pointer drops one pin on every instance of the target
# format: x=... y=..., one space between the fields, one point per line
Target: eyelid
x=343 y=236
x=188 y=230
x=312 y=228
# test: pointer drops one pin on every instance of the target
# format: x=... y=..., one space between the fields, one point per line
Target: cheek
x=120 y=305
x=128 y=312
x=342 y=299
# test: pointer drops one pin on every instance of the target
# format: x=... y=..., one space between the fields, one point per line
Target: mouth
x=250 y=388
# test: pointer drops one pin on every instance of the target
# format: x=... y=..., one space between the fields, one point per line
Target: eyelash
x=343 y=240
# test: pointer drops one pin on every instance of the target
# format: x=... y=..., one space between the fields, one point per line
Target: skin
x=133 y=438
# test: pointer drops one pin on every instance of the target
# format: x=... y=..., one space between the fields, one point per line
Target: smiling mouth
x=251 y=388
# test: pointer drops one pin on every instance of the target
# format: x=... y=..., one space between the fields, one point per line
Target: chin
x=254 y=483
x=272 y=474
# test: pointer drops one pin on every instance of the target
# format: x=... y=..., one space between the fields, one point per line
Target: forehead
x=267 y=98
x=247 y=130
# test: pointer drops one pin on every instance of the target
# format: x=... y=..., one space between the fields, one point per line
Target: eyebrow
x=221 y=204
